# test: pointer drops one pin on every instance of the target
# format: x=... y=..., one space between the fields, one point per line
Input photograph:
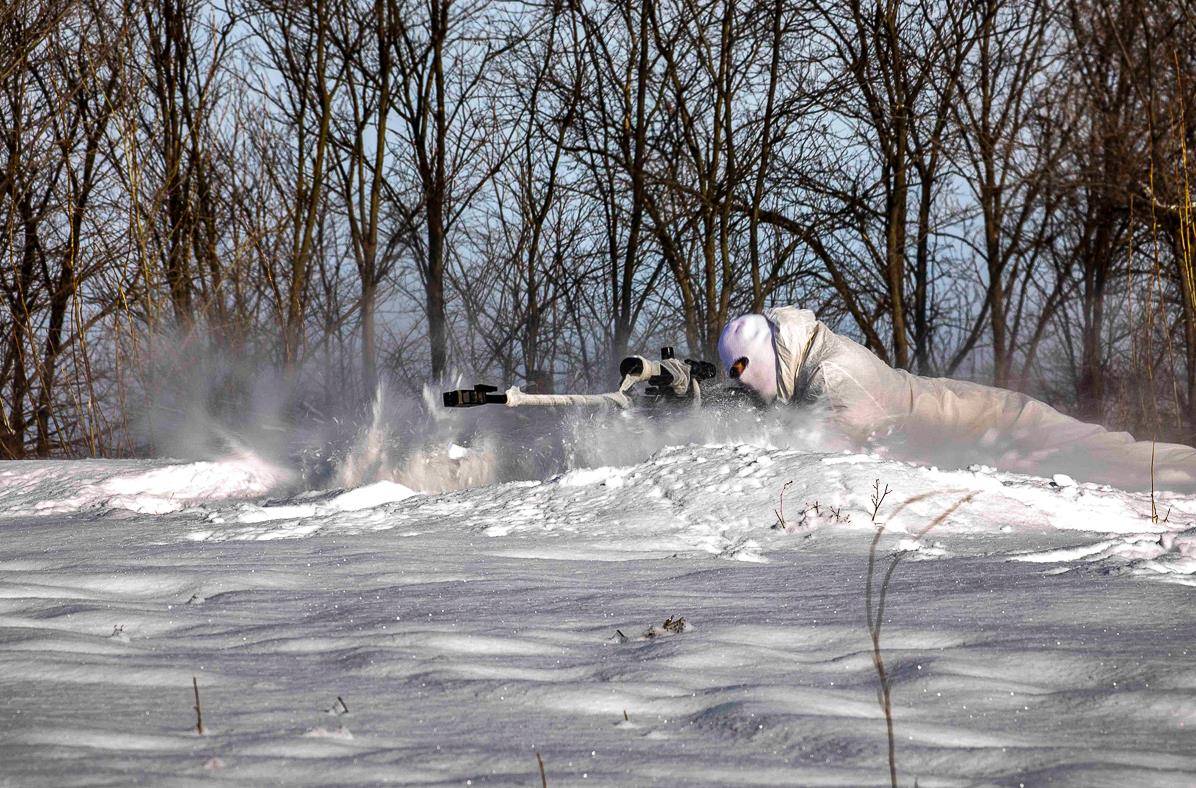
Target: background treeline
x=356 y=190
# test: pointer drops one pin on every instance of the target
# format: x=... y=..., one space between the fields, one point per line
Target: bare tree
x=180 y=63
x=61 y=96
x=900 y=66
x=364 y=36
x=1010 y=149
x=449 y=141
x=295 y=40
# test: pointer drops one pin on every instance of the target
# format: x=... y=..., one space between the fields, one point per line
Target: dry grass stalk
x=876 y=613
x=780 y=512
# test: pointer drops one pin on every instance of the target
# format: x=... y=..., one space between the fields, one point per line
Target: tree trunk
x=1090 y=388
x=436 y=194
x=922 y=274
x=624 y=293
x=309 y=203
x=12 y=439
x=369 y=350
x=895 y=258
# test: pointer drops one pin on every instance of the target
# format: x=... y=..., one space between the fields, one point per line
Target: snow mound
x=315 y=505
x=725 y=501
x=722 y=500
x=141 y=486
x=371 y=495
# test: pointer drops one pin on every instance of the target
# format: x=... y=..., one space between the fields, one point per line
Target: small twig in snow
x=198 y=709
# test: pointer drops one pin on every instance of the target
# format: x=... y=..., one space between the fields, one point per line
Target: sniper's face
x=746 y=350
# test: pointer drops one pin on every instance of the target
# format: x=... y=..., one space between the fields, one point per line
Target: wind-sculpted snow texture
x=1040 y=634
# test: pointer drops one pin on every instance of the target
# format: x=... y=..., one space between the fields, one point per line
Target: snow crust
x=356 y=636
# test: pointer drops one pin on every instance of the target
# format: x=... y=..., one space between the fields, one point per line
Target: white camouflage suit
x=871 y=400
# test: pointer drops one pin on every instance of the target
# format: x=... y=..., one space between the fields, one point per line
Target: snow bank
x=725 y=501
x=719 y=499
x=142 y=486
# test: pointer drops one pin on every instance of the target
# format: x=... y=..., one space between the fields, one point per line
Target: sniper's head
x=746 y=350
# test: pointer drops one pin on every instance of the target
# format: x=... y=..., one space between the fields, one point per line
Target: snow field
x=468 y=630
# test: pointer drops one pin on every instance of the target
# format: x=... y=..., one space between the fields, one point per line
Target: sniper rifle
x=669 y=381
